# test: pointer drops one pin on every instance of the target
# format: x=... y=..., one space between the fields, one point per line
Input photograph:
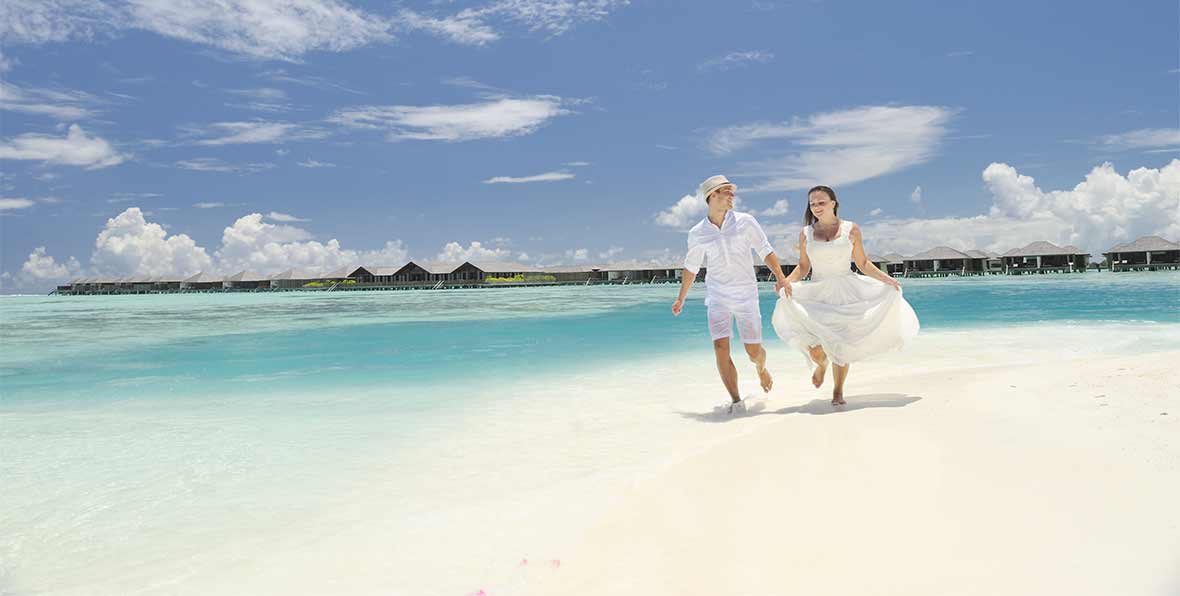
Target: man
x=722 y=242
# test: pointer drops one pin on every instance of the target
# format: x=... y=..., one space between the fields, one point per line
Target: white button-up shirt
x=725 y=251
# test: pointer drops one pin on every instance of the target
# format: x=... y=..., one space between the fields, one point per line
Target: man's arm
x=692 y=264
x=685 y=283
x=777 y=269
x=758 y=241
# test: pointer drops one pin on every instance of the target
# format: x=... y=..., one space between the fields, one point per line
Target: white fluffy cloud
x=546 y=177
x=1104 y=209
x=779 y=209
x=40 y=272
x=130 y=245
x=76 y=149
x=684 y=214
x=454 y=252
x=267 y=29
x=495 y=118
x=42 y=267
x=253 y=244
x=839 y=147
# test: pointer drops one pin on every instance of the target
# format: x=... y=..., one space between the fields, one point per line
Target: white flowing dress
x=852 y=316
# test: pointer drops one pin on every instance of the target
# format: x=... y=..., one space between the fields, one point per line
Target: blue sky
x=143 y=137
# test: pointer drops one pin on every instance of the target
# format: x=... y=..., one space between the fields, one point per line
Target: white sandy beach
x=1046 y=478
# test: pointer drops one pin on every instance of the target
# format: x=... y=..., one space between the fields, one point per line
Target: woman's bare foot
x=838 y=397
x=817 y=376
x=765 y=379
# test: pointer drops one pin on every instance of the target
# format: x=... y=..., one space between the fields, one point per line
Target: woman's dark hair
x=808 y=217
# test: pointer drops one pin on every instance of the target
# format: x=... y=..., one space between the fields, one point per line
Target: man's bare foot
x=838 y=397
x=765 y=379
x=817 y=377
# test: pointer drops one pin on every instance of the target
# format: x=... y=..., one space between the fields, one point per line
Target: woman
x=838 y=316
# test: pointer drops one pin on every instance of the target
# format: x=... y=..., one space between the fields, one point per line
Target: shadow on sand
x=816 y=407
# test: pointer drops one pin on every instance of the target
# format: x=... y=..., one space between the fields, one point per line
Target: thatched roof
x=246 y=276
x=203 y=278
x=339 y=273
x=294 y=274
x=975 y=253
x=1042 y=248
x=435 y=267
x=940 y=253
x=375 y=271
x=1145 y=244
x=501 y=267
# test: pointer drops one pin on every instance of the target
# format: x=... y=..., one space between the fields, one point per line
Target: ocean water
x=408 y=442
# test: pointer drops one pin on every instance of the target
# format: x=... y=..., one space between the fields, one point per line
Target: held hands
x=677 y=307
x=783 y=288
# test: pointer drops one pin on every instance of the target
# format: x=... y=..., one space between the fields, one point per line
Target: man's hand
x=677 y=306
x=782 y=285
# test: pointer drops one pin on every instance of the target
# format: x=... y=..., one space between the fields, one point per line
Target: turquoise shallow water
x=98 y=348
x=191 y=444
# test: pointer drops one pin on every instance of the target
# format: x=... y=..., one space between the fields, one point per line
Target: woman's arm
x=864 y=264
x=804 y=266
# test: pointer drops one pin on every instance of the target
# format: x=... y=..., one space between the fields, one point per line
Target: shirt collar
x=728 y=220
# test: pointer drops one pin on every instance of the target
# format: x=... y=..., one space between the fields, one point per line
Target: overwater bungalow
x=374 y=275
x=424 y=272
x=894 y=264
x=292 y=279
x=1148 y=253
x=246 y=280
x=879 y=261
x=1045 y=257
x=576 y=273
x=167 y=283
x=641 y=272
x=938 y=261
x=481 y=270
x=202 y=281
x=984 y=262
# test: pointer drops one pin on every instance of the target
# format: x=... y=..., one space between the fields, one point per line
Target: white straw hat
x=711 y=184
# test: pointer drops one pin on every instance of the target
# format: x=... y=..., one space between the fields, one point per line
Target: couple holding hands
x=837 y=317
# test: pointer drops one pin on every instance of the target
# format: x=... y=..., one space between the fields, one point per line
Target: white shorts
x=749 y=321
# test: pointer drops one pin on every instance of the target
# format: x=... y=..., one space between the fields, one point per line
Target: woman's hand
x=889 y=281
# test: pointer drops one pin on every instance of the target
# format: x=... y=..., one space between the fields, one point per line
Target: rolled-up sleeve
x=695 y=258
x=757 y=238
